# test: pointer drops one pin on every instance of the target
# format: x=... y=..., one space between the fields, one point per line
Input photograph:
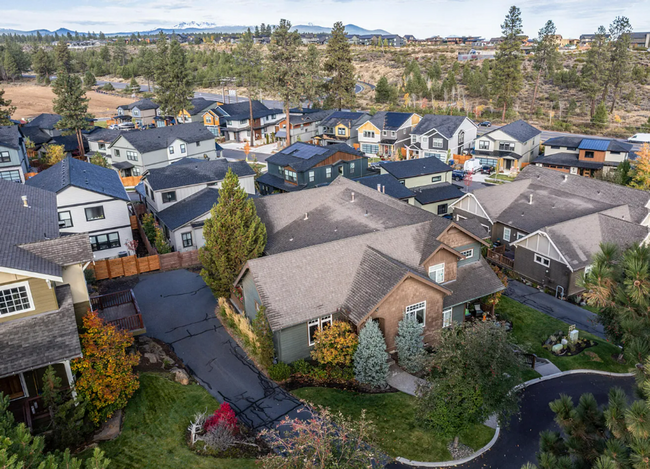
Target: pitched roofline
x=547 y=236
x=469 y=194
x=26 y=273
x=468 y=233
x=446 y=248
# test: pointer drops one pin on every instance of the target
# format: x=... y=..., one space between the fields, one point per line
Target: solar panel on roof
x=308 y=151
x=591 y=144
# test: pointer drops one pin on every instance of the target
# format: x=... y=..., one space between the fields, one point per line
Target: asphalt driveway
x=179 y=309
x=519 y=441
x=563 y=310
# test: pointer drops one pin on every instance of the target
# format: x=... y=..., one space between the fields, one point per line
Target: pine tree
x=409 y=343
x=382 y=90
x=619 y=61
x=72 y=104
x=313 y=75
x=102 y=37
x=6 y=109
x=10 y=66
x=233 y=235
x=89 y=80
x=340 y=70
x=285 y=68
x=507 y=79
x=248 y=60
x=546 y=56
x=173 y=79
x=43 y=64
x=600 y=117
x=371 y=358
x=63 y=57
x=596 y=67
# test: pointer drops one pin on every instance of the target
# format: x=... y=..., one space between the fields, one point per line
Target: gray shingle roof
x=149 y=140
x=80 y=174
x=142 y=104
x=569 y=159
x=188 y=209
x=66 y=250
x=345 y=117
x=309 y=117
x=437 y=192
x=242 y=110
x=388 y=184
x=199 y=105
x=10 y=136
x=520 y=130
x=44 y=121
x=279 y=183
x=193 y=172
x=473 y=281
x=444 y=125
x=303 y=156
x=563 y=141
x=37 y=341
x=415 y=167
x=100 y=134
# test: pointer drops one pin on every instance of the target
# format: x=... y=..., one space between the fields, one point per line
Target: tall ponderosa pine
x=10 y=66
x=72 y=104
x=6 y=109
x=507 y=79
x=248 y=60
x=383 y=91
x=595 y=70
x=285 y=68
x=173 y=79
x=233 y=235
x=44 y=65
x=339 y=69
x=371 y=358
x=313 y=85
x=63 y=57
x=619 y=58
x=547 y=55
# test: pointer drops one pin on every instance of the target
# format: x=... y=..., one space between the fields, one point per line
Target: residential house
x=302 y=166
x=430 y=181
x=441 y=137
x=388 y=184
x=235 y=126
x=42 y=285
x=41 y=129
x=132 y=153
x=142 y=112
x=196 y=111
x=90 y=199
x=409 y=38
x=181 y=195
x=386 y=133
x=304 y=125
x=100 y=139
x=476 y=54
x=340 y=127
x=584 y=156
x=640 y=40
x=549 y=224
x=13 y=155
x=211 y=122
x=347 y=251
x=509 y=148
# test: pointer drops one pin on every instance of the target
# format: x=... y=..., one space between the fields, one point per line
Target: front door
x=507 y=164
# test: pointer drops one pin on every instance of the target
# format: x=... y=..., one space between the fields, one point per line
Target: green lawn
x=393 y=415
x=531 y=328
x=154 y=430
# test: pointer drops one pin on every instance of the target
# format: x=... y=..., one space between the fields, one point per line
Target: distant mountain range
x=203 y=27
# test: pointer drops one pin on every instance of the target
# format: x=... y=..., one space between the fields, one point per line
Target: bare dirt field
x=31 y=100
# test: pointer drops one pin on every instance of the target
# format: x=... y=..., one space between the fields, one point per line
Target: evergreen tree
x=435 y=71
x=596 y=67
x=338 y=67
x=285 y=68
x=174 y=83
x=409 y=343
x=371 y=358
x=10 y=66
x=102 y=37
x=313 y=75
x=382 y=91
x=72 y=104
x=63 y=57
x=233 y=235
x=43 y=64
x=248 y=59
x=146 y=65
x=89 y=80
x=547 y=56
x=620 y=55
x=39 y=37
x=507 y=79
x=119 y=52
x=600 y=117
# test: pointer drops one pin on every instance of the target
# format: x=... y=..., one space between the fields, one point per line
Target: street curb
x=497 y=431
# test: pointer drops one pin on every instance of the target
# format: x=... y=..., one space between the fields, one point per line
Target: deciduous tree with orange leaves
x=105 y=376
x=641 y=175
x=335 y=345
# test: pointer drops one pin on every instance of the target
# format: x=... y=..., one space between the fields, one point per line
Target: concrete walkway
x=545 y=367
x=563 y=310
x=403 y=381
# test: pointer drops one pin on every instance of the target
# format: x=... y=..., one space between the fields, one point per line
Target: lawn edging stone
x=497 y=431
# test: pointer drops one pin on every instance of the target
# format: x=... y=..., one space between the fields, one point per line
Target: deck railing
x=500 y=259
x=112 y=299
x=129 y=323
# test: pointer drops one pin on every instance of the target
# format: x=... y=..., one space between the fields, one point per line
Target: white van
x=472 y=166
x=639 y=138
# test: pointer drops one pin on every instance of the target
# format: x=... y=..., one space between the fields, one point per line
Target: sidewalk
x=403 y=381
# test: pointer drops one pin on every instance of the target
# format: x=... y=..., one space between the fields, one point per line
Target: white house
x=132 y=153
x=181 y=195
x=442 y=137
x=90 y=199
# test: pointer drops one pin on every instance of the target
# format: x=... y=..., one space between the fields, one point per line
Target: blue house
x=13 y=156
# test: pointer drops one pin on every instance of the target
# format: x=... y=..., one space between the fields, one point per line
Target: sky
x=422 y=18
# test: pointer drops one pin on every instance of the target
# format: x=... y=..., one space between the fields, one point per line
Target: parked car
x=126 y=126
x=457 y=175
x=472 y=166
x=639 y=138
x=487 y=169
x=485 y=124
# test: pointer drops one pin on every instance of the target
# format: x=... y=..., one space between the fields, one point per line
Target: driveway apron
x=179 y=309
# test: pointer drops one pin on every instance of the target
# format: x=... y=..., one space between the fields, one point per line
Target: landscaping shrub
x=264 y=338
x=108 y=87
x=410 y=345
x=149 y=227
x=301 y=367
x=224 y=415
x=370 y=359
x=280 y=371
x=162 y=246
x=219 y=437
x=335 y=345
x=240 y=326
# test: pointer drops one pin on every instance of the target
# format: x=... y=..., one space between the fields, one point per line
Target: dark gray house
x=302 y=165
x=350 y=251
x=550 y=224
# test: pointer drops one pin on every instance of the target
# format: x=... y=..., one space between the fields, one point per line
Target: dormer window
x=341 y=131
x=437 y=273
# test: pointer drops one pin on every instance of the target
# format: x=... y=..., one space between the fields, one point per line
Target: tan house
x=350 y=252
x=142 y=112
x=42 y=286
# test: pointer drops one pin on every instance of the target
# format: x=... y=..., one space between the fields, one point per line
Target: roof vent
x=566 y=177
x=379 y=187
x=366 y=213
x=306 y=216
x=352 y=197
x=383 y=189
x=530 y=199
x=24 y=199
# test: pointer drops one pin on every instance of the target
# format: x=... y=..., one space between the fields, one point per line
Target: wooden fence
x=132 y=265
x=500 y=259
x=131 y=181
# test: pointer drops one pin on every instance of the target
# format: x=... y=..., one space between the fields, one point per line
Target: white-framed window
x=520 y=235
x=418 y=312
x=437 y=143
x=105 y=241
x=16 y=298
x=506 y=146
x=135 y=171
x=65 y=219
x=414 y=138
x=311 y=176
x=352 y=166
x=183 y=148
x=545 y=261
x=369 y=134
x=467 y=253
x=437 y=273
x=169 y=196
x=436 y=178
x=446 y=317
x=483 y=144
x=117 y=152
x=341 y=131
x=392 y=133
x=12 y=175
x=171 y=150
x=315 y=325
x=442 y=209
x=506 y=234
x=328 y=173
x=94 y=213
x=5 y=157
x=132 y=155
x=461 y=138
x=102 y=146
x=290 y=175
x=573 y=170
x=187 y=239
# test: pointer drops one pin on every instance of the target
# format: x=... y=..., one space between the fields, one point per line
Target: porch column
x=68 y=373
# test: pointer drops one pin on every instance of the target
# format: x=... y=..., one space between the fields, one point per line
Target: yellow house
x=386 y=133
x=211 y=122
x=195 y=113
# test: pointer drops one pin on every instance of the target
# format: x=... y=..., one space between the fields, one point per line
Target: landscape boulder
x=180 y=376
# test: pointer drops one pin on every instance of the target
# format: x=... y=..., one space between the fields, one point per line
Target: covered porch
x=120 y=308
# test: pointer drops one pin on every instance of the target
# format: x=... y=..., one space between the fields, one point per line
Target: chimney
x=530 y=199
x=306 y=216
x=378 y=187
x=25 y=204
x=352 y=197
x=383 y=189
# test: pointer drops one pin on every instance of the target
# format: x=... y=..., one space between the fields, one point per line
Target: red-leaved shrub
x=223 y=415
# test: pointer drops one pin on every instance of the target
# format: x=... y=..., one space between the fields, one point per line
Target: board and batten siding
x=43 y=295
x=557 y=273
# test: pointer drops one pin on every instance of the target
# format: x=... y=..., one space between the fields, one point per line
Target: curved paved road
x=519 y=442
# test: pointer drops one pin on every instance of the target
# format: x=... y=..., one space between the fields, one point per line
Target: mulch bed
x=297 y=382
